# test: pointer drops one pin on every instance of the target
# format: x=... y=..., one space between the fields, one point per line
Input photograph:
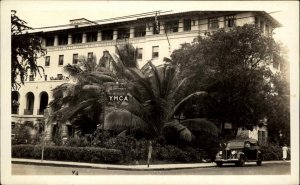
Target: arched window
x=43 y=102
x=29 y=103
x=15 y=102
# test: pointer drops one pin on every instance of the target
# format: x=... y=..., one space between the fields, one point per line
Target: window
x=229 y=21
x=123 y=33
x=46 y=77
x=75 y=58
x=61 y=60
x=59 y=76
x=63 y=40
x=213 y=23
x=31 y=78
x=107 y=34
x=77 y=38
x=50 y=41
x=91 y=36
x=140 y=31
x=171 y=26
x=155 y=53
x=156 y=28
x=47 y=61
x=187 y=25
x=90 y=56
x=139 y=53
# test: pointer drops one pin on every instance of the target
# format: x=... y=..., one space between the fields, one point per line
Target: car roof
x=243 y=140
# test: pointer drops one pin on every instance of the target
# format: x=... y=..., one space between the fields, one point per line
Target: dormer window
x=123 y=33
x=139 y=31
x=229 y=21
x=213 y=23
x=171 y=26
x=77 y=38
x=91 y=36
x=63 y=40
x=50 y=41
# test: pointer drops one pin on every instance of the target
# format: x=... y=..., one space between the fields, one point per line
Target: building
x=155 y=37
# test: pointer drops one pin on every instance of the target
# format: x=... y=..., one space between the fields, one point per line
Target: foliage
x=61 y=153
x=77 y=142
x=25 y=49
x=232 y=66
x=272 y=152
x=152 y=104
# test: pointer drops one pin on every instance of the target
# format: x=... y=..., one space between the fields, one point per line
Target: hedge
x=272 y=152
x=62 y=153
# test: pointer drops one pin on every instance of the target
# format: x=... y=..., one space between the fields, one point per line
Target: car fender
x=240 y=154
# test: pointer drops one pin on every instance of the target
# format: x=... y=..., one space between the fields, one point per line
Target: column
x=69 y=39
x=180 y=25
x=55 y=40
x=162 y=28
x=22 y=101
x=115 y=34
x=84 y=38
x=36 y=105
x=131 y=35
x=43 y=41
x=99 y=35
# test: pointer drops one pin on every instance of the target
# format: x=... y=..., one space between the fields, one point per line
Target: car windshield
x=235 y=144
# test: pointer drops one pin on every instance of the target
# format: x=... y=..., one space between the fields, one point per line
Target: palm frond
x=120 y=120
x=178 y=105
x=201 y=124
x=184 y=133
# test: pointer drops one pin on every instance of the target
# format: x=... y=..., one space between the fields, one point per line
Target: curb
x=123 y=167
x=110 y=167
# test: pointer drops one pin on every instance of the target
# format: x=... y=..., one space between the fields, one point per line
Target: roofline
x=152 y=18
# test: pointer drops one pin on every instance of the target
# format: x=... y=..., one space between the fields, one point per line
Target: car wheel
x=219 y=164
x=259 y=162
x=241 y=162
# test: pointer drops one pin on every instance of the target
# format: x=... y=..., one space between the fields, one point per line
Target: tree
x=83 y=102
x=25 y=49
x=233 y=67
x=152 y=106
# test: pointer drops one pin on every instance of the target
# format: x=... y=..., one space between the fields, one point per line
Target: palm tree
x=83 y=102
x=152 y=106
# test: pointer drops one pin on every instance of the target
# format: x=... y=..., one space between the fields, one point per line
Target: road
x=251 y=169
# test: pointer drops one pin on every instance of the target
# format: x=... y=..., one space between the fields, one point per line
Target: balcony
x=28 y=112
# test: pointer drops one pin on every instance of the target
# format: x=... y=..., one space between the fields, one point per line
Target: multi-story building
x=155 y=37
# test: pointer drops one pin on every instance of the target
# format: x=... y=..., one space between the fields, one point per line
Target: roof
x=243 y=140
x=112 y=22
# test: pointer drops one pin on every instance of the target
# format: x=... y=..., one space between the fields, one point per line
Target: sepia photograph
x=149 y=92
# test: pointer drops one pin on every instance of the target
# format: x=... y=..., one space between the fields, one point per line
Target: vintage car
x=239 y=151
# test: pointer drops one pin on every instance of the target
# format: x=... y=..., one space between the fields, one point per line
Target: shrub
x=77 y=142
x=271 y=152
x=62 y=153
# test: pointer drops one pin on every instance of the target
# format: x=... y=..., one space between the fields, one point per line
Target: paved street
x=250 y=169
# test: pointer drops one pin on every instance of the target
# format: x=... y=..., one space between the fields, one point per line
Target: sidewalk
x=125 y=167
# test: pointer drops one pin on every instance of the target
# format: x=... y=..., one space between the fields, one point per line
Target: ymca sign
x=117 y=98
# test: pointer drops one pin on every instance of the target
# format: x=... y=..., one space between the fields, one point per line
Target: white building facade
x=155 y=37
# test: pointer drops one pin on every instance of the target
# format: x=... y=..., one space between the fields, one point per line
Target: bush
x=77 y=142
x=62 y=153
x=271 y=152
x=174 y=154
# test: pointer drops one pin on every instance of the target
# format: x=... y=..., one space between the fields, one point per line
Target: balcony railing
x=28 y=112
